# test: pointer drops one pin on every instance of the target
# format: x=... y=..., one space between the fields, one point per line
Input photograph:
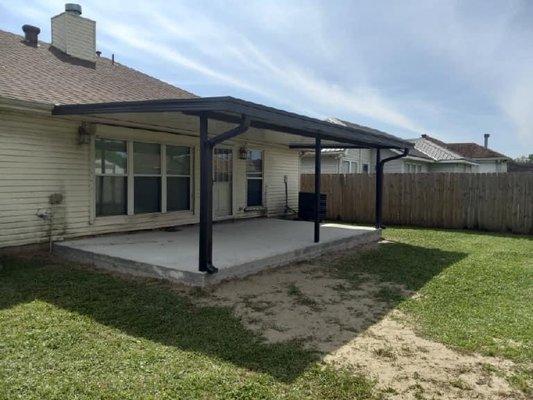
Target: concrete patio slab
x=240 y=248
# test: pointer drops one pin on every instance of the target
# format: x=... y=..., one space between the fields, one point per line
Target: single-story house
x=428 y=155
x=338 y=161
x=89 y=146
x=487 y=160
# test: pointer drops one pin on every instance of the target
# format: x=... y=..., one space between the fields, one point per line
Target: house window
x=147 y=177
x=254 y=178
x=110 y=165
x=349 y=167
x=345 y=167
x=413 y=168
x=178 y=168
x=365 y=168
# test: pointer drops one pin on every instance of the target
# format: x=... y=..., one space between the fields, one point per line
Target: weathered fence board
x=494 y=202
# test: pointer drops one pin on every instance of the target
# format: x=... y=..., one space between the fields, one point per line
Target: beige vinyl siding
x=40 y=156
x=360 y=156
x=280 y=163
x=329 y=164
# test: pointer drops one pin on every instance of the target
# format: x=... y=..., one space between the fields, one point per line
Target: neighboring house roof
x=47 y=75
x=467 y=150
x=474 y=150
x=435 y=149
x=325 y=152
x=415 y=153
x=357 y=126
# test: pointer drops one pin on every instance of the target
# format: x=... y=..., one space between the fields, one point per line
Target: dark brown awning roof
x=230 y=109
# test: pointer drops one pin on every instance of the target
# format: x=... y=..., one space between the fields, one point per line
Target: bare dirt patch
x=355 y=326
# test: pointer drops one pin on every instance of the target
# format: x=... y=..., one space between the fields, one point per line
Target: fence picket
x=496 y=202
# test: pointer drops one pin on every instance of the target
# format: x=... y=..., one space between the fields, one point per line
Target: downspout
x=380 y=164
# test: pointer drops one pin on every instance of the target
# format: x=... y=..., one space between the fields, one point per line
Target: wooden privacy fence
x=494 y=202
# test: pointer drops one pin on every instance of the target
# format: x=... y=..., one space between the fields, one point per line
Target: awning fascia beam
x=231 y=109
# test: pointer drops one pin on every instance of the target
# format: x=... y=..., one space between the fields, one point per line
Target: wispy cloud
x=456 y=69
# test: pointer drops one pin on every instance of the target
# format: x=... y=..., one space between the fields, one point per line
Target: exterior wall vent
x=74 y=34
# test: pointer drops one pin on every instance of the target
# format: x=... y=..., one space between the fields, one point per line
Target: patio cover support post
x=318 y=173
x=379 y=183
x=379 y=188
x=205 y=258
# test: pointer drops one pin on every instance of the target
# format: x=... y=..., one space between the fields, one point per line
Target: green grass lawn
x=475 y=290
x=67 y=332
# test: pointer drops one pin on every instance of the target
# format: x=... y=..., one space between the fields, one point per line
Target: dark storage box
x=306 y=206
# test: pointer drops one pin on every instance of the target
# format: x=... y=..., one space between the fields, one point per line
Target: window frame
x=352 y=167
x=130 y=175
x=96 y=175
x=166 y=175
x=262 y=178
x=144 y=175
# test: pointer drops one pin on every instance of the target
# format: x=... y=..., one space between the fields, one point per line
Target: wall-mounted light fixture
x=243 y=153
x=85 y=131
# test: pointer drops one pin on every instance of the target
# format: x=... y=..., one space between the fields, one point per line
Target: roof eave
x=25 y=105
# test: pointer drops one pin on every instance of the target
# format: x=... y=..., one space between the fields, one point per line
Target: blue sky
x=452 y=69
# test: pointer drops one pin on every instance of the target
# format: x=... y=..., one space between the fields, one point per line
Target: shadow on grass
x=151 y=310
x=398 y=263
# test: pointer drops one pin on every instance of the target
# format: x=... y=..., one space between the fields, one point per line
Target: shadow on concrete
x=151 y=310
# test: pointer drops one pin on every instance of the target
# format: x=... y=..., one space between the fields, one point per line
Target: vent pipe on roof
x=486 y=142
x=31 y=35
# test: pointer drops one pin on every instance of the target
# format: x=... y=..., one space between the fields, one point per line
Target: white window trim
x=93 y=174
x=262 y=205
x=160 y=176
x=165 y=175
x=352 y=166
x=131 y=180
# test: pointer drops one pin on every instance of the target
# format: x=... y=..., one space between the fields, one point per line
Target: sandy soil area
x=352 y=326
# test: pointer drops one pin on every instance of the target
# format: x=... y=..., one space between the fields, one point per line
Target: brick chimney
x=486 y=140
x=74 y=34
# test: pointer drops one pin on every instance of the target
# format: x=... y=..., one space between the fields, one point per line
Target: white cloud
x=271 y=74
x=328 y=59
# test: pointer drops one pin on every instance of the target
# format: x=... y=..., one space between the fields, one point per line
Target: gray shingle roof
x=45 y=74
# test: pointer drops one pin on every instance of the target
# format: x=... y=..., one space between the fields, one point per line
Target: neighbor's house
x=87 y=148
x=428 y=155
x=338 y=161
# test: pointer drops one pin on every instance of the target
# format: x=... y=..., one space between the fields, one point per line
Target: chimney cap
x=73 y=8
x=31 y=34
x=31 y=29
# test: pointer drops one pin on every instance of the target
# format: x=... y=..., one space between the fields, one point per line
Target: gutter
x=11 y=104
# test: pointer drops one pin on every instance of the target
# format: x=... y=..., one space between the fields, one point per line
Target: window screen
x=110 y=167
x=254 y=177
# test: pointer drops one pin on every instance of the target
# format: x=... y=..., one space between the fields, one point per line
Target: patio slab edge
x=141 y=269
